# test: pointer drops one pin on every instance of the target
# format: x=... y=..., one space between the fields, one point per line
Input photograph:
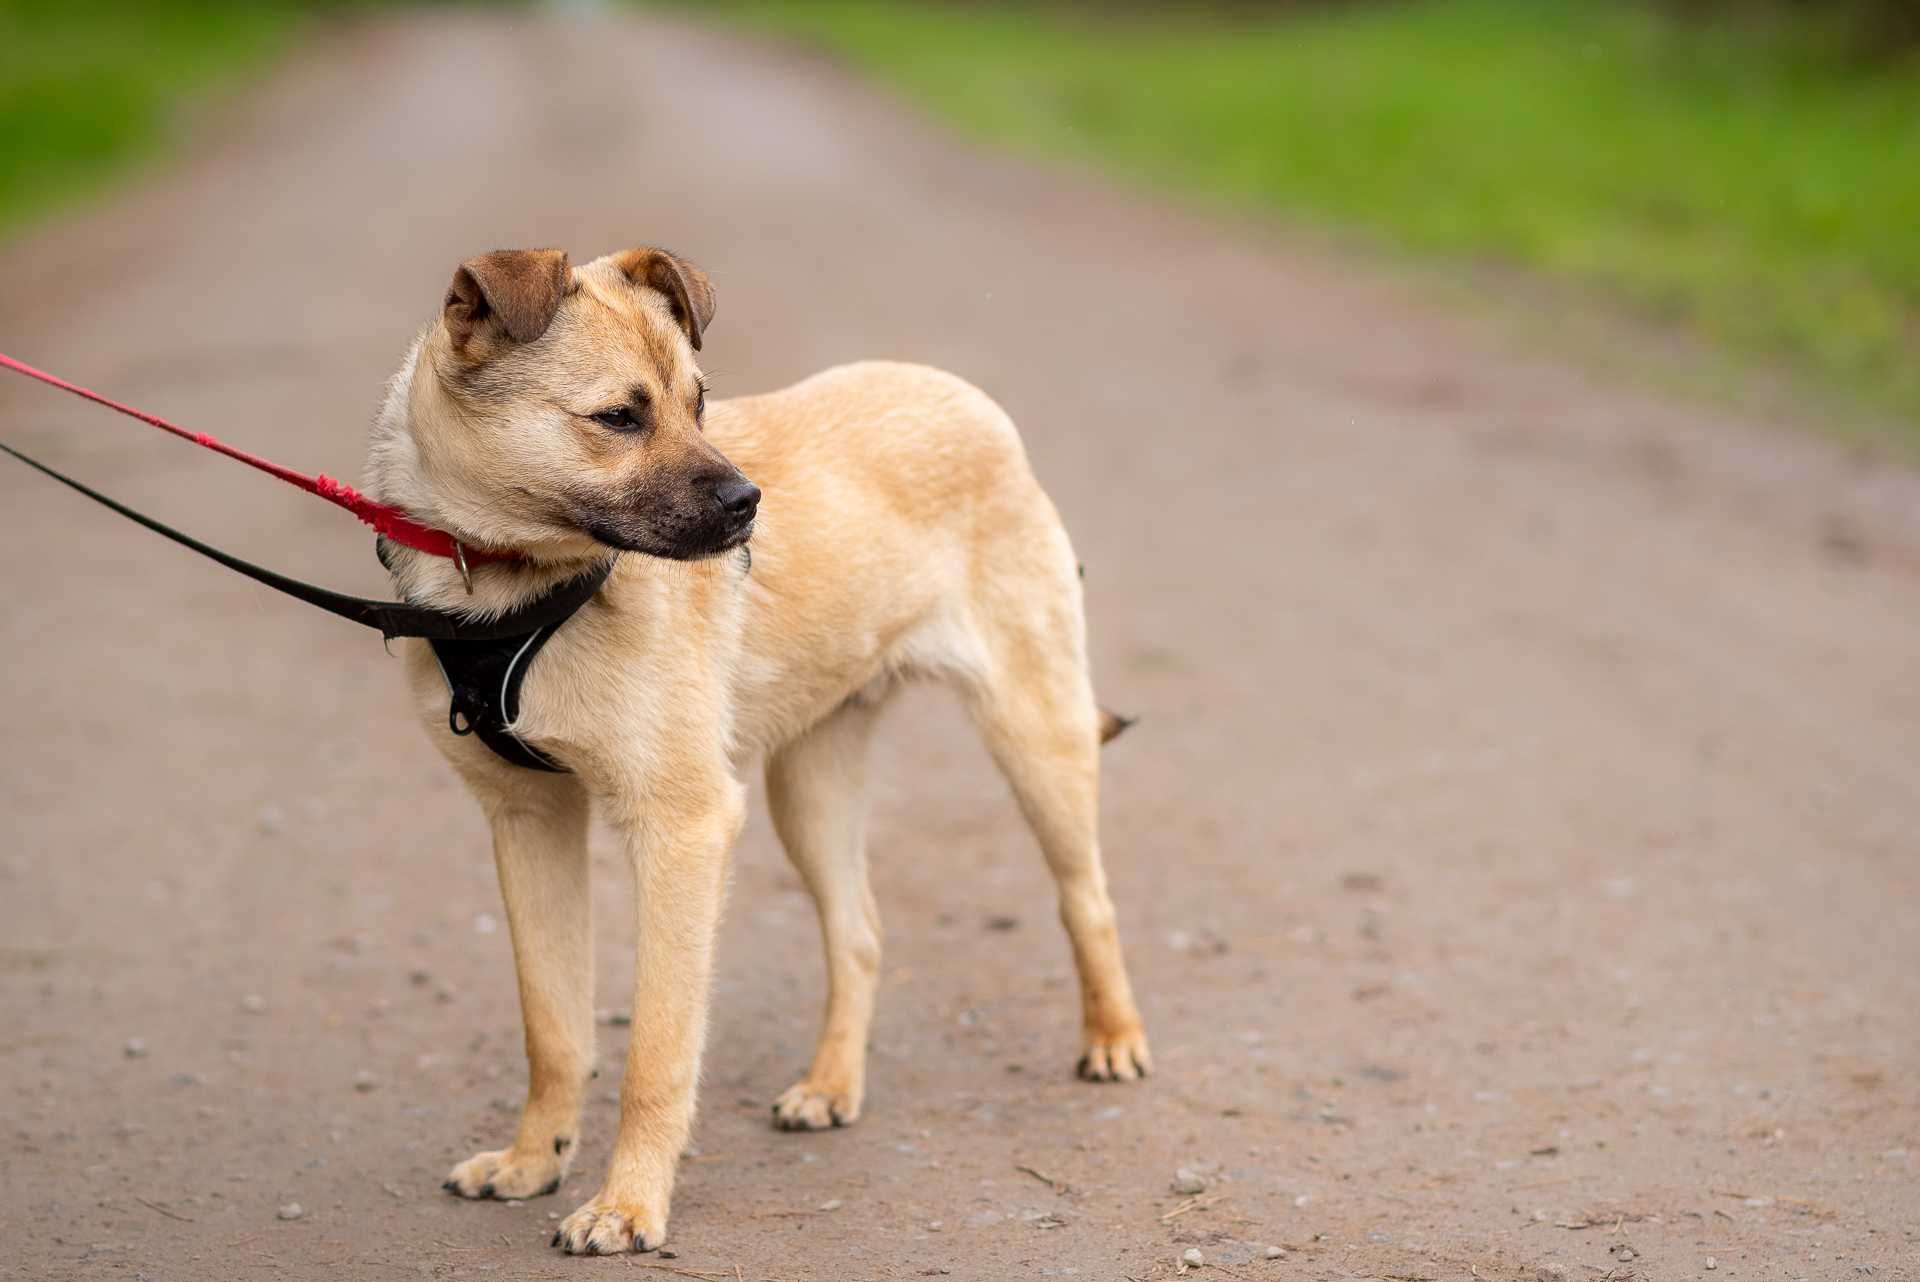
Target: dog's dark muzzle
x=712 y=516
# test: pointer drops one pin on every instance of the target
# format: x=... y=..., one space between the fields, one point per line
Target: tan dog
x=559 y=412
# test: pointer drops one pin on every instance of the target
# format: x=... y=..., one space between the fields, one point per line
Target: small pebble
x=832 y=1204
x=254 y=1004
x=1272 y=1253
x=1187 y=1183
x=135 y=1048
x=1204 y=942
x=934 y=1226
x=363 y=1081
x=292 y=1211
x=1624 y=1254
x=1712 y=1264
x=1192 y=1258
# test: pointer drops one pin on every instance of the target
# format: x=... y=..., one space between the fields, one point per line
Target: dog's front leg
x=680 y=843
x=540 y=850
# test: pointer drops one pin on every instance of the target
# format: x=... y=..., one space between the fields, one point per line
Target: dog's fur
x=902 y=536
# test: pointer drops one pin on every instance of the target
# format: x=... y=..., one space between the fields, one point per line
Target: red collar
x=387 y=520
x=395 y=524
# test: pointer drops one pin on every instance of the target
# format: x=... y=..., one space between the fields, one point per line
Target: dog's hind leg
x=540 y=850
x=1036 y=708
x=817 y=791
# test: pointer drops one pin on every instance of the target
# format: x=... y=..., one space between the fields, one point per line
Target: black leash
x=483 y=662
x=389 y=618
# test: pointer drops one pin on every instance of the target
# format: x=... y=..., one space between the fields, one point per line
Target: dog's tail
x=1112 y=723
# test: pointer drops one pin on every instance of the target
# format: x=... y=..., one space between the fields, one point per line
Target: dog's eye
x=700 y=402
x=620 y=419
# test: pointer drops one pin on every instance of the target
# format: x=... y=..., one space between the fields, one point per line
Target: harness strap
x=483 y=685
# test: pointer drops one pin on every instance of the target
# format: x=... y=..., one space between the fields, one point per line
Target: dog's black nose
x=738 y=497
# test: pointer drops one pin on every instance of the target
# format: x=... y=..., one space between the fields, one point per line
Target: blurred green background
x=1747 y=171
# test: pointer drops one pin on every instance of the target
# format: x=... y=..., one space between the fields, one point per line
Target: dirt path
x=1518 y=851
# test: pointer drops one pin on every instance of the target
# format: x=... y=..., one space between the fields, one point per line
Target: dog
x=891 y=531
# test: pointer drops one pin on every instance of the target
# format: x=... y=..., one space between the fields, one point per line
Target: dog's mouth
x=734 y=540
x=690 y=545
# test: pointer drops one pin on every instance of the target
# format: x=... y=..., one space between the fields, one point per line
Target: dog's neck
x=485 y=590
x=497 y=586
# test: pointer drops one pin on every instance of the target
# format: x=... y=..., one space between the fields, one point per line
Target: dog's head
x=554 y=408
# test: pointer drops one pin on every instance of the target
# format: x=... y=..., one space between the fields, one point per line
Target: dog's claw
x=604 y=1229
x=807 y=1108
x=1122 y=1058
x=506 y=1176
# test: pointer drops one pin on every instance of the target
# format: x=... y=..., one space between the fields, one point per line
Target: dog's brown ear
x=685 y=286
x=517 y=289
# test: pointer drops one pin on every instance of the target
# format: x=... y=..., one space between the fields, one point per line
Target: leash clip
x=460 y=559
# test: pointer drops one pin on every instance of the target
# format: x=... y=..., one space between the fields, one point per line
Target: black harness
x=484 y=662
x=484 y=675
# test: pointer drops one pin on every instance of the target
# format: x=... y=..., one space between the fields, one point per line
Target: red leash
x=388 y=521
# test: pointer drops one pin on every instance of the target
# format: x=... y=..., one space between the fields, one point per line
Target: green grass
x=88 y=86
x=1756 y=184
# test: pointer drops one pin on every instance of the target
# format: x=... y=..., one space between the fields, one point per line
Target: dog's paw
x=505 y=1173
x=806 y=1107
x=1115 y=1057
x=609 y=1225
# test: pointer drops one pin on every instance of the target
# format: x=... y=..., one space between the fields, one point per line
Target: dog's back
x=901 y=522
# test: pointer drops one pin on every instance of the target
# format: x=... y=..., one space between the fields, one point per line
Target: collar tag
x=460 y=559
